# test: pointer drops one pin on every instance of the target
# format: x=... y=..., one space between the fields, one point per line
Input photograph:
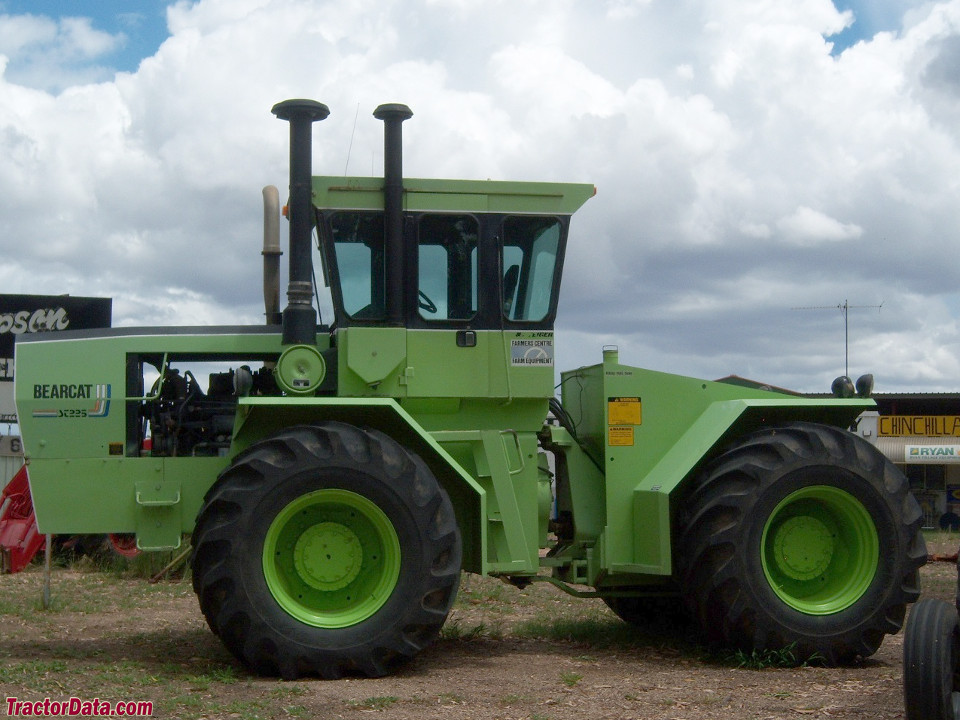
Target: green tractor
x=335 y=480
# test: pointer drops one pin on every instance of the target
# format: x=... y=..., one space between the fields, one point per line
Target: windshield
x=464 y=269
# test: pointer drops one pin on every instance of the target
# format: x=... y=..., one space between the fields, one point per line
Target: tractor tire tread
x=711 y=561
x=930 y=659
x=224 y=591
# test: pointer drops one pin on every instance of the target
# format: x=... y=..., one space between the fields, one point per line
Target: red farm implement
x=19 y=538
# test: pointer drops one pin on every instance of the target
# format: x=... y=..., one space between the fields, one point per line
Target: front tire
x=803 y=535
x=326 y=550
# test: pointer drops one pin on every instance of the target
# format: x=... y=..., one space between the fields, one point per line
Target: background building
x=920 y=432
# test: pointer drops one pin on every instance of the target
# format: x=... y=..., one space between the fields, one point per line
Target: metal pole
x=46 y=572
x=846 y=340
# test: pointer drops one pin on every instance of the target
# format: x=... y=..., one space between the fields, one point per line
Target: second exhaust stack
x=393 y=115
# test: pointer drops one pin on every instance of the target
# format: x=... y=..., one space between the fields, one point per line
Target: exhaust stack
x=300 y=317
x=271 y=254
x=393 y=115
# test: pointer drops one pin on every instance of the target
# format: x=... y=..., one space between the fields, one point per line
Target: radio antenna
x=353 y=132
x=845 y=308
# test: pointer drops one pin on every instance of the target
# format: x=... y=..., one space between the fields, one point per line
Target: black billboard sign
x=21 y=314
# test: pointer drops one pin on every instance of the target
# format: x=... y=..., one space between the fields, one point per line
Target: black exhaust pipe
x=393 y=115
x=300 y=317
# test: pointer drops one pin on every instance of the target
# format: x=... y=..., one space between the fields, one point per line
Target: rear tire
x=803 y=535
x=931 y=653
x=326 y=550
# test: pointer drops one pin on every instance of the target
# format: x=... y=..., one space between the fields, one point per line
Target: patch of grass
x=119 y=673
x=485 y=593
x=286 y=690
x=125 y=673
x=570 y=679
x=22 y=606
x=225 y=675
x=476 y=589
x=451 y=699
x=85 y=591
x=785 y=657
x=177 y=704
x=454 y=630
x=245 y=709
x=514 y=699
x=25 y=673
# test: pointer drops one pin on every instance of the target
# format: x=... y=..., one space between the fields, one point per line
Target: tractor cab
x=460 y=304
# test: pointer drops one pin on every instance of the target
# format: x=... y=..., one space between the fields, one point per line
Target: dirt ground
x=535 y=654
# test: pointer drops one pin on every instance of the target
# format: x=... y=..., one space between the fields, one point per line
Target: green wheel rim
x=331 y=558
x=820 y=550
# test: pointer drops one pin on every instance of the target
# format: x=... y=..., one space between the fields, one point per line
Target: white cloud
x=54 y=54
x=625 y=9
x=809 y=227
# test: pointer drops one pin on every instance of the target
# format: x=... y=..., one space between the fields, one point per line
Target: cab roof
x=470 y=196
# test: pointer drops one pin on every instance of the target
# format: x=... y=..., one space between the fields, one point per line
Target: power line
x=844 y=308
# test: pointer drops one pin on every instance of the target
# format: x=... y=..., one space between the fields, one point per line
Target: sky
x=751 y=157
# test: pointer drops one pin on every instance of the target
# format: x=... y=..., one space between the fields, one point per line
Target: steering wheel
x=426 y=303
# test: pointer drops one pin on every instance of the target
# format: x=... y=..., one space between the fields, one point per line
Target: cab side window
x=447 y=258
x=358 y=243
x=530 y=246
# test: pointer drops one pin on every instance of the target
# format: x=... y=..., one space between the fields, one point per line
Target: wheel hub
x=328 y=556
x=331 y=558
x=803 y=547
x=819 y=550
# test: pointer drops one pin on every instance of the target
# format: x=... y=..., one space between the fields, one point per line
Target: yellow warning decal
x=623 y=411
x=620 y=436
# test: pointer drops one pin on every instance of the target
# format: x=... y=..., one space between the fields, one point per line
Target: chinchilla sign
x=20 y=314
